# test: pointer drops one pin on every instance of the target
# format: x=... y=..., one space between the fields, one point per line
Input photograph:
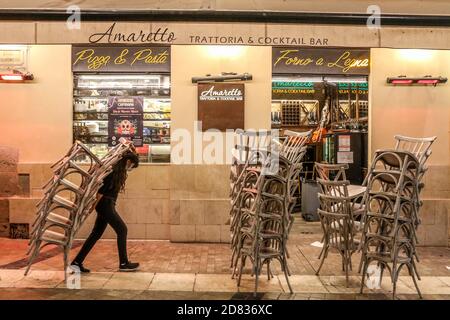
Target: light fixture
x=16 y=76
x=426 y=80
x=225 y=76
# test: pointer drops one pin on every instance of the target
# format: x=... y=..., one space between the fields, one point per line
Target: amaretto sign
x=134 y=34
x=221 y=105
x=221 y=95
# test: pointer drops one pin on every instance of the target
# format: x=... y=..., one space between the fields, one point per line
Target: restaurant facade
x=284 y=74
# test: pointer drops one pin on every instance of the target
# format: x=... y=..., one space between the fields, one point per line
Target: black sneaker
x=129 y=266
x=79 y=266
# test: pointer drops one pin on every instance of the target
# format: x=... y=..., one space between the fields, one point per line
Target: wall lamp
x=16 y=76
x=426 y=80
x=224 y=76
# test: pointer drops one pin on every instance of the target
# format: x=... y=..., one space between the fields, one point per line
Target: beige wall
x=416 y=111
x=36 y=117
x=190 y=61
x=199 y=204
x=410 y=110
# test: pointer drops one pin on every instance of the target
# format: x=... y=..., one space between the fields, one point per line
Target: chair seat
x=339 y=244
x=355 y=190
x=400 y=219
x=72 y=186
x=357 y=225
x=270 y=234
x=54 y=237
x=64 y=202
x=267 y=252
x=390 y=176
x=58 y=219
x=272 y=196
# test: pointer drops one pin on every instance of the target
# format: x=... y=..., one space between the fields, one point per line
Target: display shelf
x=91 y=94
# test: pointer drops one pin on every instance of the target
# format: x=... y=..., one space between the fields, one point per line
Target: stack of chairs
x=69 y=197
x=393 y=201
x=338 y=214
x=249 y=142
x=263 y=206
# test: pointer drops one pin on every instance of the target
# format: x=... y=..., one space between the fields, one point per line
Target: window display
x=92 y=95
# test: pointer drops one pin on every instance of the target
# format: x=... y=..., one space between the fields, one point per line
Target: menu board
x=221 y=105
x=125 y=119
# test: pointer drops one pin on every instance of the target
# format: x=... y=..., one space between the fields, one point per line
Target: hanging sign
x=288 y=60
x=120 y=59
x=125 y=119
x=221 y=105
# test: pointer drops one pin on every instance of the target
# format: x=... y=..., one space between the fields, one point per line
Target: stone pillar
x=9 y=184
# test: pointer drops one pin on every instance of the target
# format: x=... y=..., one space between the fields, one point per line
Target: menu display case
x=90 y=111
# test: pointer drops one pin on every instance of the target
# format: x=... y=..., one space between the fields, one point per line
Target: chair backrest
x=337 y=171
x=334 y=188
x=336 y=220
x=420 y=147
x=293 y=144
x=248 y=140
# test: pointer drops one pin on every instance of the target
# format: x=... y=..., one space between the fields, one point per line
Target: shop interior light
x=416 y=54
x=426 y=80
x=224 y=51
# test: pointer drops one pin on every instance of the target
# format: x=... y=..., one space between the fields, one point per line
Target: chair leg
x=415 y=269
x=240 y=270
x=363 y=278
x=33 y=256
x=323 y=259
x=411 y=272
x=256 y=278
x=346 y=271
x=382 y=266
x=286 y=276
x=321 y=252
x=66 y=261
x=394 y=289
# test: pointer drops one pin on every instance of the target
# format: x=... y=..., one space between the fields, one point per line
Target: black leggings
x=106 y=214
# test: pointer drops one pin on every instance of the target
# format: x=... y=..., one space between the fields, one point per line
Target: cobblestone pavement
x=202 y=271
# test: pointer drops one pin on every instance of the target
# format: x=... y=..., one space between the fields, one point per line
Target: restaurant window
x=130 y=99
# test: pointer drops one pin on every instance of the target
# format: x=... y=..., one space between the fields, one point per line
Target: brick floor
x=167 y=257
x=205 y=266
